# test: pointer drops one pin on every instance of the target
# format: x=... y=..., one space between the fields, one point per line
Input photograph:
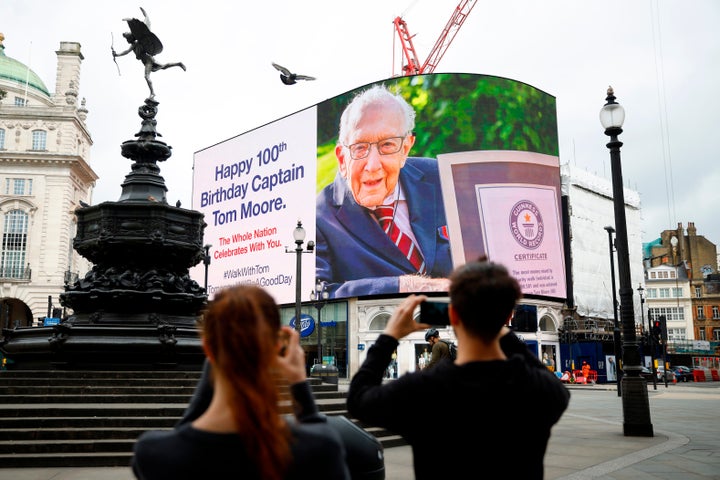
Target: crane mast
x=413 y=65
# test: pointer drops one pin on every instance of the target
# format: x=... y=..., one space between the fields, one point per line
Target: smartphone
x=434 y=312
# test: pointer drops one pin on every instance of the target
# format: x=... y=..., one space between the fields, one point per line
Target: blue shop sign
x=307 y=325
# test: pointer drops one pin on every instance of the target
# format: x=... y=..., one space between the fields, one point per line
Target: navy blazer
x=356 y=257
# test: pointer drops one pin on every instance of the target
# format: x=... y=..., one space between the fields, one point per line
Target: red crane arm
x=448 y=35
x=413 y=66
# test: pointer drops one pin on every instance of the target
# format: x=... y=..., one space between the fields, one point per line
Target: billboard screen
x=395 y=183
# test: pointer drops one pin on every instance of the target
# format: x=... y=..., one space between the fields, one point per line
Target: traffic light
x=663 y=327
x=656 y=331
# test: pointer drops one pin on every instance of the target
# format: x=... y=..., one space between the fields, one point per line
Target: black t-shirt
x=464 y=418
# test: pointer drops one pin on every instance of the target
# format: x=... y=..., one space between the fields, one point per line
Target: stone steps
x=70 y=418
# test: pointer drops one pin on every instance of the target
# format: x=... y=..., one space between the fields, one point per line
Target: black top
x=464 y=418
x=189 y=453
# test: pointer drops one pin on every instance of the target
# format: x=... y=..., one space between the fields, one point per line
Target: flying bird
x=289 y=78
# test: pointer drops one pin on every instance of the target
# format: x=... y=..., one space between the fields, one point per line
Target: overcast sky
x=662 y=57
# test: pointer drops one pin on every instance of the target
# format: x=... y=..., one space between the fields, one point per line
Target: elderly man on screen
x=381 y=225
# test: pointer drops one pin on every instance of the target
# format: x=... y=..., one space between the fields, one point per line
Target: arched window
x=39 y=140
x=547 y=324
x=379 y=322
x=14 y=244
x=2 y=138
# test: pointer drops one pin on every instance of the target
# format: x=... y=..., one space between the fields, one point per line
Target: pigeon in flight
x=289 y=78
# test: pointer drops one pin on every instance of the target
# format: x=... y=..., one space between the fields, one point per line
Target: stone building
x=44 y=177
x=697 y=257
x=667 y=294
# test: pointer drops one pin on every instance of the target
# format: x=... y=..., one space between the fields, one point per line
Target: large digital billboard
x=396 y=183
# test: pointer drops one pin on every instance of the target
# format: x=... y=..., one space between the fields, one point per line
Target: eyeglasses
x=386 y=146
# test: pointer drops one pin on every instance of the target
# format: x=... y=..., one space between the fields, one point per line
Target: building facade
x=44 y=175
x=590 y=318
x=667 y=293
x=697 y=256
x=684 y=285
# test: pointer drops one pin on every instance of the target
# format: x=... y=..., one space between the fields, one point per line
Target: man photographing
x=501 y=401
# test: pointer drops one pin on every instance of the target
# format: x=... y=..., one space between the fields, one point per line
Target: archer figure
x=146 y=45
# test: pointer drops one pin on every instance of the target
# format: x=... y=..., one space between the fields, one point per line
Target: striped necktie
x=385 y=215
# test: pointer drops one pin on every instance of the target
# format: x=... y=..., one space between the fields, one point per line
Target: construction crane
x=413 y=65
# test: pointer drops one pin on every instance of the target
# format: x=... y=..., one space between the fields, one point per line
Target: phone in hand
x=435 y=312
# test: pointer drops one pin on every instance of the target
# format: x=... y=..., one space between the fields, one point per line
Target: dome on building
x=17 y=73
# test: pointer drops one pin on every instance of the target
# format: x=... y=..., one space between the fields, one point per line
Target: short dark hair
x=484 y=294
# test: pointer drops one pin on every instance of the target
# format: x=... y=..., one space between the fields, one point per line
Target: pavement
x=588 y=441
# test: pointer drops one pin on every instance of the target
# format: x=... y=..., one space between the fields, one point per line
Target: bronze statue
x=145 y=45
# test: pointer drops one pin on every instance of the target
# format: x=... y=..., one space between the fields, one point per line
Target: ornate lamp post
x=299 y=236
x=636 y=407
x=206 y=262
x=319 y=296
x=617 y=342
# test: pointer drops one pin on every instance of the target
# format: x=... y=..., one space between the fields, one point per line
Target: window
x=672 y=274
x=716 y=334
x=675 y=334
x=716 y=312
x=677 y=292
x=664 y=293
x=379 y=322
x=699 y=311
x=698 y=292
x=652 y=293
x=19 y=102
x=701 y=334
x=14 y=244
x=18 y=186
x=653 y=275
x=671 y=313
x=2 y=138
x=39 y=140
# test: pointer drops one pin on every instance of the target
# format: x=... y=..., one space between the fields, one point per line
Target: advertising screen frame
x=255 y=187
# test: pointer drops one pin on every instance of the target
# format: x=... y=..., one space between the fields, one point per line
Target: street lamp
x=641 y=292
x=617 y=342
x=319 y=296
x=299 y=236
x=206 y=261
x=636 y=407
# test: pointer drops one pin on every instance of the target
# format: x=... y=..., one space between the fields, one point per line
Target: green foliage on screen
x=455 y=113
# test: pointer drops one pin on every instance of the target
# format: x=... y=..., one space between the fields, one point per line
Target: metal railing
x=16 y=273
